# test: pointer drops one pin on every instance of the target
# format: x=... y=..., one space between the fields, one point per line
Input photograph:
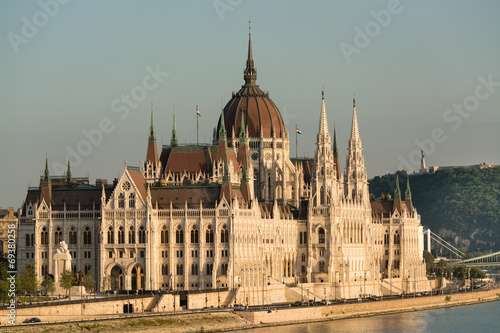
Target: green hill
x=460 y=205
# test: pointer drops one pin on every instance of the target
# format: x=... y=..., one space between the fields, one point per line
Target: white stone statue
x=62 y=260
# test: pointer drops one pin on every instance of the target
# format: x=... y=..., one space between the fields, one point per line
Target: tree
x=29 y=280
x=67 y=281
x=106 y=282
x=49 y=285
x=88 y=281
x=429 y=261
x=4 y=283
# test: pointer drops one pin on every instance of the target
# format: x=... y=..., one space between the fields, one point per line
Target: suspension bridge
x=487 y=260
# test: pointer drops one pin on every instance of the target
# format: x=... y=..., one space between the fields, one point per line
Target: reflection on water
x=468 y=319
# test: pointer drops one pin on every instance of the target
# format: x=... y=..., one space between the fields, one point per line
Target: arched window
x=131 y=235
x=28 y=240
x=44 y=237
x=386 y=238
x=142 y=235
x=72 y=236
x=45 y=271
x=131 y=200
x=121 y=200
x=224 y=234
x=303 y=269
x=397 y=239
x=111 y=236
x=121 y=236
x=321 y=266
x=321 y=236
x=387 y=264
x=180 y=269
x=179 y=235
x=194 y=235
x=58 y=237
x=87 y=236
x=209 y=235
x=164 y=269
x=194 y=269
x=164 y=235
x=303 y=257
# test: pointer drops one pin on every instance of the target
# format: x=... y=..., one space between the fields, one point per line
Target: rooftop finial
x=250 y=73
x=249 y=32
x=354 y=101
x=323 y=93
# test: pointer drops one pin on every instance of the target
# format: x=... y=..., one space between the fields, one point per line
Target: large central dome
x=261 y=115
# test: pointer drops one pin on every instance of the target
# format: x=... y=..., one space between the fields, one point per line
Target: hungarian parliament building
x=239 y=215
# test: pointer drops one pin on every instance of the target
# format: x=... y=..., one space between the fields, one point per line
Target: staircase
x=153 y=303
x=230 y=298
x=396 y=286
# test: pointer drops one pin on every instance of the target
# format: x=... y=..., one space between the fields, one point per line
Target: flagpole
x=296 y=142
x=197 y=127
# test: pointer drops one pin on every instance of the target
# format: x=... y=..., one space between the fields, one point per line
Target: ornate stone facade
x=237 y=214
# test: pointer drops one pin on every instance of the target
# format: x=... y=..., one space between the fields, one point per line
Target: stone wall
x=362 y=308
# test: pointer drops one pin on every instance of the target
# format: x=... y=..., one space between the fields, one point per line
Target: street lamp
x=218 y=294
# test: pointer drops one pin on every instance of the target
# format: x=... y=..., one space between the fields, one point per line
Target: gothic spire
x=222 y=130
x=354 y=126
x=397 y=192
x=68 y=173
x=243 y=135
x=46 y=175
x=250 y=74
x=408 y=191
x=152 y=135
x=173 y=138
x=323 y=122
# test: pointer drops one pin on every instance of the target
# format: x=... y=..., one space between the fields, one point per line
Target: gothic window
x=194 y=235
x=179 y=235
x=28 y=240
x=303 y=257
x=111 y=236
x=45 y=271
x=121 y=200
x=303 y=269
x=194 y=269
x=72 y=236
x=210 y=267
x=88 y=269
x=58 y=237
x=121 y=236
x=223 y=269
x=87 y=236
x=396 y=238
x=131 y=200
x=321 y=236
x=164 y=269
x=224 y=234
x=300 y=238
x=209 y=235
x=321 y=266
x=396 y=264
x=180 y=269
x=387 y=264
x=142 y=235
x=131 y=235
x=305 y=237
x=386 y=238
x=164 y=235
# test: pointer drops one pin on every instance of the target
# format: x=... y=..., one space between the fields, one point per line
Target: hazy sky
x=425 y=72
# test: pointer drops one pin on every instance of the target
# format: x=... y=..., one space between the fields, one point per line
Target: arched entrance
x=137 y=278
x=116 y=278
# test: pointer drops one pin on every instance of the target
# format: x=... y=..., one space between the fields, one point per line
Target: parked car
x=32 y=320
x=375 y=298
x=418 y=295
x=239 y=307
x=298 y=303
x=426 y=293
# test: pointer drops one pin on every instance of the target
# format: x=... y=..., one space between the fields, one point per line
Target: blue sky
x=68 y=77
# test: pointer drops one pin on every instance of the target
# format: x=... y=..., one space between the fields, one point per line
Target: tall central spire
x=354 y=128
x=173 y=137
x=250 y=74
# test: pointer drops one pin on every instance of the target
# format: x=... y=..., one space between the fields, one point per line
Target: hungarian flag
x=197 y=111
x=297 y=130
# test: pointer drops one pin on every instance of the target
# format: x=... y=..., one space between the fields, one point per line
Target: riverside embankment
x=215 y=322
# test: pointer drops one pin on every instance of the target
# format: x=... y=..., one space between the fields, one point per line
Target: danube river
x=483 y=317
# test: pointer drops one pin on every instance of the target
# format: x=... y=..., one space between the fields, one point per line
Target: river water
x=479 y=318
